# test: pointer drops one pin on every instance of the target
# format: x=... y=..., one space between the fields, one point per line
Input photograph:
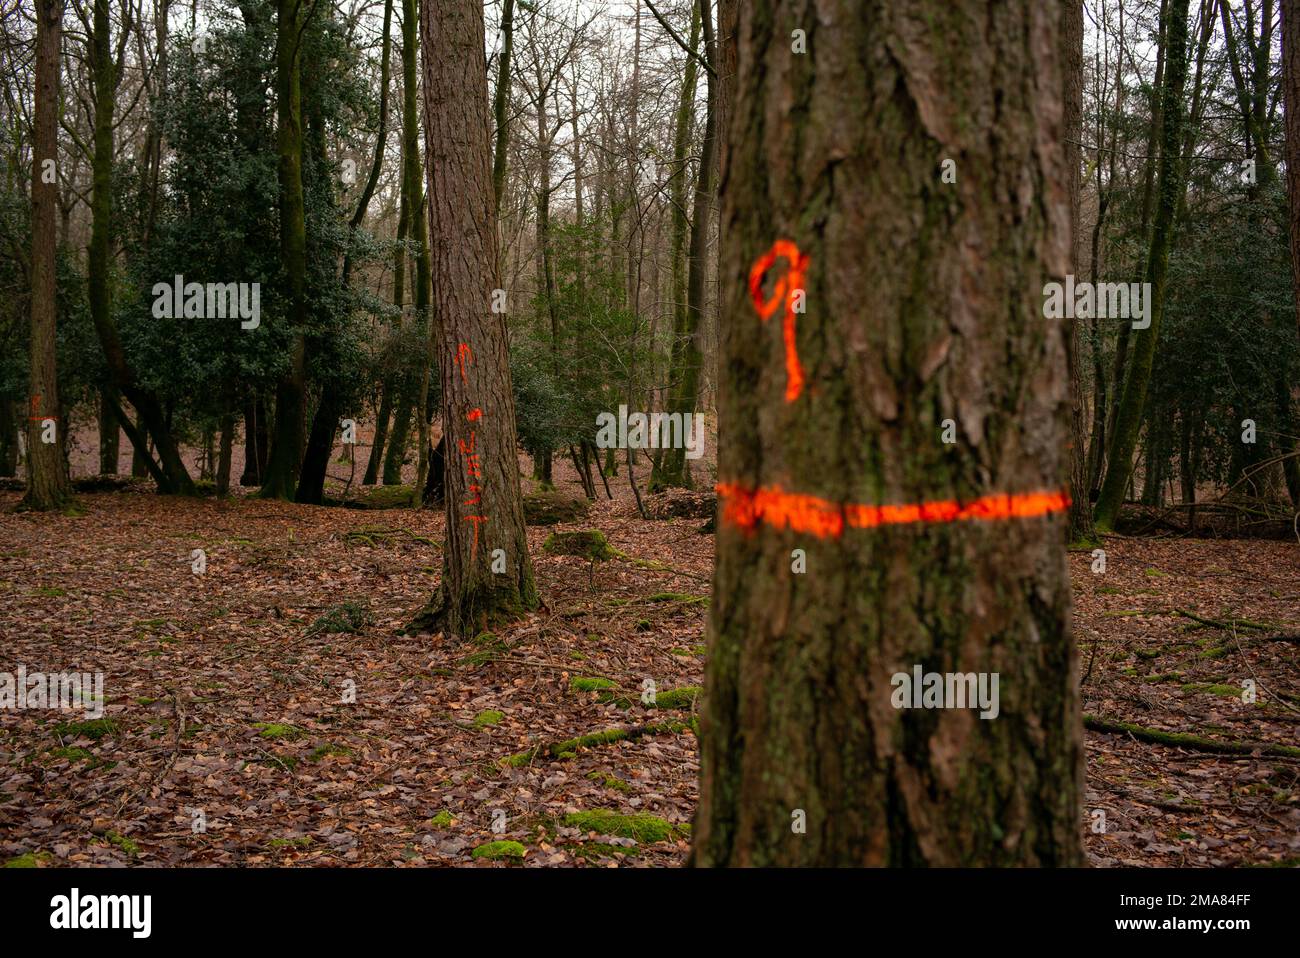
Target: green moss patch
x=443 y=819
x=499 y=850
x=126 y=844
x=679 y=698
x=277 y=730
x=93 y=729
x=30 y=860
x=488 y=717
x=642 y=827
x=302 y=841
x=594 y=683
x=1228 y=691
x=681 y=597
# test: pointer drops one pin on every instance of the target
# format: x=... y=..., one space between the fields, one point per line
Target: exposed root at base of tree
x=478 y=610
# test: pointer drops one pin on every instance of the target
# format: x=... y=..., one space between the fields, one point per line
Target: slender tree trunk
x=255 y=442
x=501 y=104
x=675 y=473
x=381 y=140
x=9 y=426
x=1291 y=95
x=484 y=505
x=1132 y=402
x=106 y=73
x=408 y=403
x=48 y=485
x=110 y=435
x=141 y=449
x=381 y=435
x=1081 y=529
x=808 y=755
x=224 y=457
x=674 y=469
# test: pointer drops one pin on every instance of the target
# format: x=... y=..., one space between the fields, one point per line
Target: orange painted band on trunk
x=771 y=505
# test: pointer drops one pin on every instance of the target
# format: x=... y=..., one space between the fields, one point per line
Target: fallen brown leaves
x=227 y=692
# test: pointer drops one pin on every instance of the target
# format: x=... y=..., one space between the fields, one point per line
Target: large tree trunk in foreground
x=1132 y=401
x=48 y=486
x=924 y=302
x=484 y=505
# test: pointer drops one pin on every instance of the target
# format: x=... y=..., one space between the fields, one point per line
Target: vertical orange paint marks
x=783 y=292
x=747 y=508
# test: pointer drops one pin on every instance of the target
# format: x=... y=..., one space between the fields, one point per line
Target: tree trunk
x=141 y=451
x=48 y=485
x=381 y=435
x=223 y=459
x=674 y=469
x=1128 y=418
x=669 y=469
x=9 y=426
x=484 y=506
x=255 y=443
x=288 y=440
x=924 y=300
x=106 y=74
x=381 y=140
x=110 y=435
x=1291 y=93
x=501 y=104
x=413 y=176
x=1081 y=529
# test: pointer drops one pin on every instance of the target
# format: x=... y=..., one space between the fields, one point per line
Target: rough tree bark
x=484 y=505
x=48 y=486
x=924 y=301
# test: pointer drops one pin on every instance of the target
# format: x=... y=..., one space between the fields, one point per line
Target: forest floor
x=224 y=693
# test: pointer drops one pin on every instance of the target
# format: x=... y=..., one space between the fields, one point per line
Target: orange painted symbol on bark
x=748 y=508
x=463 y=351
x=783 y=293
x=474 y=415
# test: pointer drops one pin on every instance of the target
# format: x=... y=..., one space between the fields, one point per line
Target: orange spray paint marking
x=748 y=508
x=474 y=415
x=783 y=292
x=463 y=351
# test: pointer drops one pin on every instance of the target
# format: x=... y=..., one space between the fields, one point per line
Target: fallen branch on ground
x=1097 y=723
